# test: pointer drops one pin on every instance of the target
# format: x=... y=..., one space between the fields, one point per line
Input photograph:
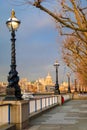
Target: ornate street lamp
x=57 y=91
x=13 y=91
x=69 y=90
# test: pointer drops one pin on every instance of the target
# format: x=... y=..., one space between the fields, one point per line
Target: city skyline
x=38 y=44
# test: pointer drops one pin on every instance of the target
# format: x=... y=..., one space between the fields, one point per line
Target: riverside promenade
x=72 y=115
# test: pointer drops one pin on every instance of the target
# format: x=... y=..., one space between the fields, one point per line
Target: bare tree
x=70 y=14
x=75 y=56
x=71 y=20
x=73 y=14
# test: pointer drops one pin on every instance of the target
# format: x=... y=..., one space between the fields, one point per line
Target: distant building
x=41 y=85
x=3 y=86
x=45 y=84
x=48 y=80
x=63 y=87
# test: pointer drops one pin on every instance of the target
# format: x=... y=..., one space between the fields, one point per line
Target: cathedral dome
x=48 y=80
x=48 y=76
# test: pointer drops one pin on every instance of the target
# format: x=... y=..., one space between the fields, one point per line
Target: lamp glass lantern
x=13 y=23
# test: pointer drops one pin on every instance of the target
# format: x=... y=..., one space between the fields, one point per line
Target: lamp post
x=13 y=91
x=57 y=91
x=75 y=85
x=69 y=90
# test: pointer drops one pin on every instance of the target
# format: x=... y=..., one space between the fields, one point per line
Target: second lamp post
x=57 y=91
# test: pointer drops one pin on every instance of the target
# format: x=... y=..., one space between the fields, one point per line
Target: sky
x=38 y=43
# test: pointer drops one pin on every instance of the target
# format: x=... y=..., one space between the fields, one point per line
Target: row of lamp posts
x=57 y=91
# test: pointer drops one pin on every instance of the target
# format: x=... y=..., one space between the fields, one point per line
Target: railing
x=66 y=97
x=5 y=113
x=42 y=103
x=19 y=112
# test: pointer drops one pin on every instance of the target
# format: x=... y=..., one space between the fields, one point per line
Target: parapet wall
x=19 y=112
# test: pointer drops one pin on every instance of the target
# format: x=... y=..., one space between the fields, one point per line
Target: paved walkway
x=71 y=116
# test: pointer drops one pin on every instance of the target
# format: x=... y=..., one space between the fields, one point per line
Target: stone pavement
x=71 y=116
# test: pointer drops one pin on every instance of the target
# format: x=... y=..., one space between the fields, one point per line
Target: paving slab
x=70 y=116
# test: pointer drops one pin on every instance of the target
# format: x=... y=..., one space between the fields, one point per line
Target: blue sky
x=38 y=43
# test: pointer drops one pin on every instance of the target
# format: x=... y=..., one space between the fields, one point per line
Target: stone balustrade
x=20 y=112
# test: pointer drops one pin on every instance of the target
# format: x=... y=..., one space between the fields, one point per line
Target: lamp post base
x=10 y=95
x=75 y=89
x=56 y=91
x=10 y=98
x=69 y=91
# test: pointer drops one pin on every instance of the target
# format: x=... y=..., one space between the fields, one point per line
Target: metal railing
x=42 y=103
